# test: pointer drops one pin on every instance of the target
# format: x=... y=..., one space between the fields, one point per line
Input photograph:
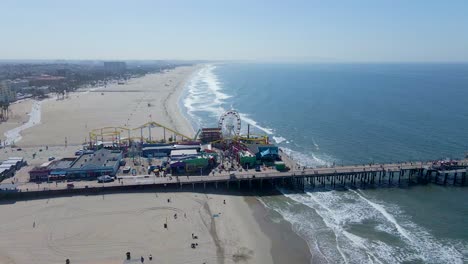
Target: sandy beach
x=100 y=229
x=230 y=227
x=18 y=116
x=153 y=97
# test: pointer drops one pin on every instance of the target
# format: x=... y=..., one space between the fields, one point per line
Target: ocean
x=323 y=114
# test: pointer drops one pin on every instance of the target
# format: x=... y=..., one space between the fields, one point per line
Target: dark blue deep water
x=353 y=114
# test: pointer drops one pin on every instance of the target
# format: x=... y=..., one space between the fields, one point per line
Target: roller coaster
x=228 y=125
x=122 y=135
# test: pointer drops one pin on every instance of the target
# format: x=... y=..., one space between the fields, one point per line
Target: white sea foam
x=247 y=119
x=278 y=140
x=328 y=225
x=315 y=144
x=388 y=216
x=309 y=160
x=340 y=211
x=205 y=94
x=14 y=135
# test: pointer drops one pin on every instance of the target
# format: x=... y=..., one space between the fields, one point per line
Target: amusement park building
x=264 y=152
x=10 y=166
x=164 y=150
x=89 y=165
x=101 y=162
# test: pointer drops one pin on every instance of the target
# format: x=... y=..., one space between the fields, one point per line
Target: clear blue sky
x=345 y=30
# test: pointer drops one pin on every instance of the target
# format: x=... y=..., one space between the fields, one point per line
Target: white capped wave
x=340 y=212
x=205 y=94
x=309 y=160
x=388 y=216
x=278 y=140
x=315 y=144
x=247 y=119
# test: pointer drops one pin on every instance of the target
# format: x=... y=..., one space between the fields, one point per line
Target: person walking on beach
x=142 y=259
x=150 y=257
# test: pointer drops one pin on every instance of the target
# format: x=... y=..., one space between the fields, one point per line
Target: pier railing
x=298 y=179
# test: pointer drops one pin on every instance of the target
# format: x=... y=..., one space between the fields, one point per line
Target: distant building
x=115 y=66
x=6 y=94
x=46 y=80
x=17 y=85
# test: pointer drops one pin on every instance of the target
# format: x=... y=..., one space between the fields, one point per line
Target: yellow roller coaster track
x=117 y=131
x=154 y=124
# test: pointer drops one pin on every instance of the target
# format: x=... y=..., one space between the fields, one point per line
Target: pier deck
x=298 y=178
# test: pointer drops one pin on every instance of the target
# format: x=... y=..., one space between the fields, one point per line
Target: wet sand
x=101 y=228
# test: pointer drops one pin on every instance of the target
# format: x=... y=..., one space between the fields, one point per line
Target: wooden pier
x=297 y=179
x=372 y=176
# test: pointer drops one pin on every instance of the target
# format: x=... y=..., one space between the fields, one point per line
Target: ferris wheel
x=230 y=124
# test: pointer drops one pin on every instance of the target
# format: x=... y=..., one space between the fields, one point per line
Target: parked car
x=51 y=158
x=105 y=178
x=79 y=152
x=257 y=168
x=70 y=185
x=126 y=169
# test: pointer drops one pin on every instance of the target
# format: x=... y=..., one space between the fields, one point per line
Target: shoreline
x=184 y=93
x=239 y=231
x=116 y=105
x=287 y=246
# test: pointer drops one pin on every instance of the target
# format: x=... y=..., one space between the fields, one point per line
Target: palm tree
x=7 y=109
x=2 y=113
x=4 y=110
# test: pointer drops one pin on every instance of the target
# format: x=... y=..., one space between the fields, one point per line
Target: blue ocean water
x=353 y=114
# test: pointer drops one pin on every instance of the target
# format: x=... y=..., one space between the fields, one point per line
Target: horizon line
x=238 y=61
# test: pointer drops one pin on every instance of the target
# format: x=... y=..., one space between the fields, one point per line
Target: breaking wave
x=339 y=227
x=332 y=230
x=205 y=96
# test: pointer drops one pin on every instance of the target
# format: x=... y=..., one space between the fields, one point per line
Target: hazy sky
x=344 y=30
